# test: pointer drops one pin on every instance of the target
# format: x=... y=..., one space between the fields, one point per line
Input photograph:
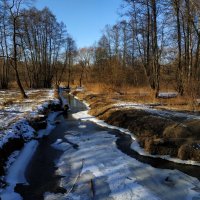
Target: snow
x=168 y=94
x=16 y=172
x=79 y=89
x=13 y=117
x=15 y=125
x=20 y=129
x=148 y=108
x=83 y=115
x=16 y=165
x=20 y=108
x=114 y=175
x=50 y=124
x=11 y=159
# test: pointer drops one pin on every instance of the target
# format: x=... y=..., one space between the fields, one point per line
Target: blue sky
x=85 y=19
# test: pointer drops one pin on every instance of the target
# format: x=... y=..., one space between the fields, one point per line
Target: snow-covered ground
x=13 y=108
x=168 y=94
x=16 y=172
x=96 y=169
x=18 y=161
x=13 y=115
x=150 y=109
x=83 y=115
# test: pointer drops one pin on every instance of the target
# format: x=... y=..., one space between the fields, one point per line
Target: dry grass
x=97 y=88
x=143 y=95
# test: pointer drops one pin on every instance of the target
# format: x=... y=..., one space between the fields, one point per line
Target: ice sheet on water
x=126 y=177
x=60 y=145
x=83 y=115
x=16 y=173
x=50 y=124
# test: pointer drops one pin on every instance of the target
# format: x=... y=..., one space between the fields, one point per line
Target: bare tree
x=85 y=56
x=70 y=55
x=14 y=9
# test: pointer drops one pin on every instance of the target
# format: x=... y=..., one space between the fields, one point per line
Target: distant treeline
x=157 y=41
x=156 y=44
x=33 y=45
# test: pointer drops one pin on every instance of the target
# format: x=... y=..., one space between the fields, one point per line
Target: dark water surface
x=40 y=173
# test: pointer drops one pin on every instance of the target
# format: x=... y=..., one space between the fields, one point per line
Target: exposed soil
x=158 y=135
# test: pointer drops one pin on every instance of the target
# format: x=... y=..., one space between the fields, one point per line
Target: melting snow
x=50 y=124
x=168 y=94
x=113 y=175
x=13 y=117
x=161 y=113
x=16 y=171
x=83 y=115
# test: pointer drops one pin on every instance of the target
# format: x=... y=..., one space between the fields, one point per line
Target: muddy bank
x=159 y=133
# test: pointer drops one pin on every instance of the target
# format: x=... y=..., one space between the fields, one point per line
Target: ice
x=60 y=145
x=50 y=124
x=115 y=175
x=16 y=173
x=11 y=159
x=14 y=124
x=83 y=115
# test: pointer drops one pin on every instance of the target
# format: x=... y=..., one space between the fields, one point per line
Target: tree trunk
x=156 y=65
x=15 y=61
x=179 y=76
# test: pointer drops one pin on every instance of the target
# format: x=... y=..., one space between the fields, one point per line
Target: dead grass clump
x=99 y=111
x=8 y=102
x=56 y=93
x=97 y=88
x=189 y=152
x=177 y=130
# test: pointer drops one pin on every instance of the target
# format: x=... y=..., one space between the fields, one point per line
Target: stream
x=73 y=136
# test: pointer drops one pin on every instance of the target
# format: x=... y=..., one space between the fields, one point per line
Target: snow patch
x=79 y=89
x=126 y=177
x=50 y=124
x=16 y=173
x=17 y=130
x=84 y=116
x=14 y=117
x=168 y=94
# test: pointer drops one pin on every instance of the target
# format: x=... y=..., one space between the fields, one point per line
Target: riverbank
x=20 y=122
x=81 y=160
x=160 y=132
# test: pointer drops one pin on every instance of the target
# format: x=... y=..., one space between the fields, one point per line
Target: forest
x=156 y=44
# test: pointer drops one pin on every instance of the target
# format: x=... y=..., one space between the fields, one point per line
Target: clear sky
x=85 y=19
